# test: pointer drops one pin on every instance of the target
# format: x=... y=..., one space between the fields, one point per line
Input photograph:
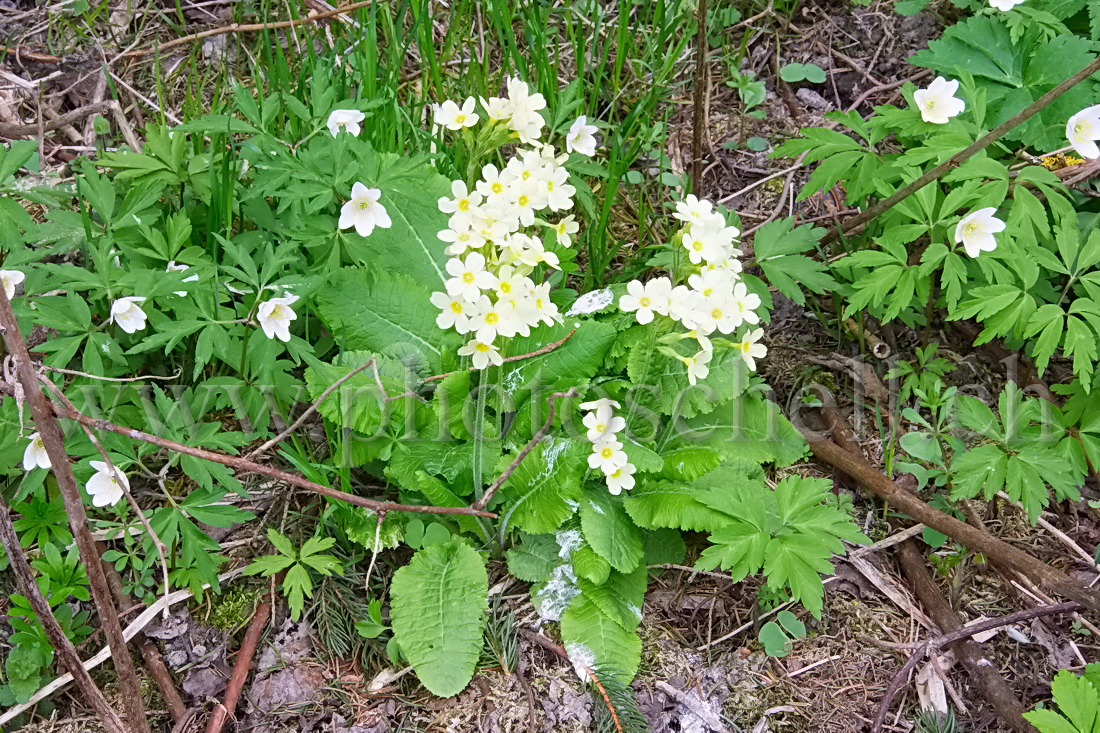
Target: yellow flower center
x=1081 y=129
x=606 y=453
x=497 y=187
x=364 y=204
x=644 y=302
x=491 y=318
x=483 y=348
x=744 y=346
x=456 y=307
x=697 y=246
x=970 y=227
x=523 y=200
x=464 y=205
x=930 y=103
x=525 y=175
x=716 y=313
x=549 y=185
x=601 y=428
x=468 y=277
x=506 y=287
x=276 y=312
x=459 y=119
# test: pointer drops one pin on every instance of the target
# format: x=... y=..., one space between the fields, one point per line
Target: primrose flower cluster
x=714 y=300
x=607 y=450
x=496 y=226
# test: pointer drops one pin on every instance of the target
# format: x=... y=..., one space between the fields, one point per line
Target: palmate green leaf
x=438 y=612
x=668 y=504
x=544 y=489
x=608 y=529
x=384 y=313
x=1077 y=698
x=796 y=562
x=589 y=633
x=779 y=248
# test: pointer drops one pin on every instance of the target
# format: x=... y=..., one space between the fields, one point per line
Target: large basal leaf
x=358 y=403
x=439 y=601
x=594 y=638
x=620 y=596
x=411 y=189
x=544 y=489
x=750 y=429
x=385 y=313
x=577 y=358
x=609 y=530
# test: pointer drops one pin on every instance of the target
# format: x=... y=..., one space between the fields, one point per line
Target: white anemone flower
x=35 y=455
x=173 y=267
x=1004 y=4
x=620 y=480
x=1083 y=130
x=653 y=297
x=938 y=103
x=127 y=313
x=453 y=117
x=483 y=354
x=345 y=119
x=275 y=316
x=9 y=279
x=751 y=349
x=105 y=487
x=364 y=211
x=976 y=231
x=581 y=137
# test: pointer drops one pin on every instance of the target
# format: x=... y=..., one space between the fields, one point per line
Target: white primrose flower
x=1004 y=4
x=681 y=302
x=697 y=366
x=523 y=111
x=603 y=403
x=620 y=480
x=461 y=240
x=976 y=231
x=493 y=182
x=511 y=284
x=607 y=455
x=716 y=313
x=496 y=109
x=559 y=194
x=275 y=316
x=127 y=313
x=463 y=208
x=705 y=243
x=565 y=229
x=452 y=312
x=540 y=303
x=601 y=424
x=751 y=349
x=653 y=297
x=711 y=283
x=9 y=279
x=581 y=137
x=489 y=320
x=692 y=209
x=363 y=211
x=938 y=103
x=35 y=455
x=468 y=277
x=746 y=303
x=453 y=117
x=104 y=488
x=483 y=354
x=1083 y=130
x=173 y=267
x=345 y=119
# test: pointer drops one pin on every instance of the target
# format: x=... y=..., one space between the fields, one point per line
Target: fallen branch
x=66 y=652
x=22 y=54
x=988 y=681
x=110 y=106
x=246 y=466
x=53 y=440
x=241 y=666
x=489 y=492
x=925 y=648
x=245 y=28
x=873 y=211
x=996 y=549
x=136 y=626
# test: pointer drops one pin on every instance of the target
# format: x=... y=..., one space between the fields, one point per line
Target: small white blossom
x=541 y=304
x=488 y=320
x=363 y=211
x=976 y=231
x=275 y=316
x=483 y=354
x=1083 y=131
x=127 y=313
x=104 y=488
x=565 y=229
x=693 y=209
x=581 y=137
x=35 y=455
x=345 y=119
x=9 y=279
x=751 y=349
x=1005 y=4
x=452 y=312
x=697 y=366
x=173 y=267
x=497 y=109
x=653 y=297
x=453 y=117
x=607 y=455
x=938 y=103
x=469 y=277
x=620 y=480
x=463 y=208
x=602 y=423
